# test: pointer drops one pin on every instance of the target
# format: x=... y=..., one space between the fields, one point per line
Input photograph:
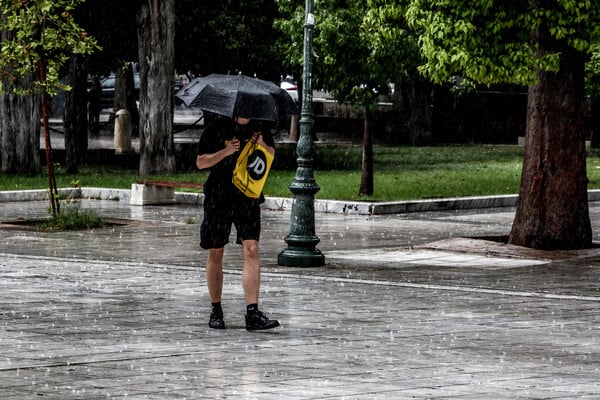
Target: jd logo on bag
x=251 y=169
x=257 y=165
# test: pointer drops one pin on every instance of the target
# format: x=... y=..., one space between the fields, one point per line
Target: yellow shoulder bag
x=251 y=169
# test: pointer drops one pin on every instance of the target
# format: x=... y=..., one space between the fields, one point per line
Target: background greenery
x=401 y=173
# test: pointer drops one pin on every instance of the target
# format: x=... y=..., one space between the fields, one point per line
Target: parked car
x=107 y=99
x=108 y=89
x=289 y=84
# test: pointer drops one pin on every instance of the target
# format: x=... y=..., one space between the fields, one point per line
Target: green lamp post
x=301 y=240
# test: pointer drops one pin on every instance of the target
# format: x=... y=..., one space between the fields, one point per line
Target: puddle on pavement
x=36 y=225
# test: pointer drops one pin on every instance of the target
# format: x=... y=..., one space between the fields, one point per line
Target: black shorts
x=220 y=212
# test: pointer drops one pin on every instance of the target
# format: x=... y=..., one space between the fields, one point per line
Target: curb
x=285 y=204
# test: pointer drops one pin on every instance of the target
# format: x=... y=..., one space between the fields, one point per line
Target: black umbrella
x=237 y=96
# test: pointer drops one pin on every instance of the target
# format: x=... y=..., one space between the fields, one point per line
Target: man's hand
x=258 y=138
x=232 y=146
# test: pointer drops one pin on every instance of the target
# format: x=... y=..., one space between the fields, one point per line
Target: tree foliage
x=360 y=46
x=490 y=42
x=117 y=40
x=227 y=37
x=592 y=75
x=39 y=31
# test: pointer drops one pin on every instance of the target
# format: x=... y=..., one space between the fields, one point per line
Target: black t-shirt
x=214 y=138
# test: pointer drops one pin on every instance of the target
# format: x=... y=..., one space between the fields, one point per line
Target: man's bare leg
x=214 y=274
x=255 y=319
x=214 y=281
x=251 y=272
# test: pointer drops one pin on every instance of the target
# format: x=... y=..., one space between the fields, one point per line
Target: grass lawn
x=401 y=173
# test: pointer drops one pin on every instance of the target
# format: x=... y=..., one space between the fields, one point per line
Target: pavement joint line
x=97 y=261
x=501 y=292
x=436 y=287
x=107 y=360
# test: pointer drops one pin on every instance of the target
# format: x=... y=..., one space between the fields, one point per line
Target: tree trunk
x=125 y=98
x=552 y=212
x=75 y=115
x=156 y=33
x=366 y=180
x=419 y=108
x=20 y=134
x=19 y=127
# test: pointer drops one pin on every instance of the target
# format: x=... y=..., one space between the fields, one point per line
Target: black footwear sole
x=269 y=325
x=216 y=323
x=215 y=326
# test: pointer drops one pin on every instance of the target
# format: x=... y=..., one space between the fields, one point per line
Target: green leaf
x=41 y=32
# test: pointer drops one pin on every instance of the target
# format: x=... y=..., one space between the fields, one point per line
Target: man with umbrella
x=225 y=205
x=242 y=102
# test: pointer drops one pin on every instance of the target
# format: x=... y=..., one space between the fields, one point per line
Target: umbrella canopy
x=238 y=96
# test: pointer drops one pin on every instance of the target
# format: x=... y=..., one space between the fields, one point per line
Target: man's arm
x=204 y=161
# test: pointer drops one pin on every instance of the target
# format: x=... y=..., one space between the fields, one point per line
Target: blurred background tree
x=38 y=37
x=227 y=36
x=362 y=49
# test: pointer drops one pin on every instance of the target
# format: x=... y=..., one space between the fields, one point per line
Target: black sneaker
x=216 y=320
x=257 y=321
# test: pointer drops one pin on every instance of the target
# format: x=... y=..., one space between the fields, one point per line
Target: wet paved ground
x=403 y=309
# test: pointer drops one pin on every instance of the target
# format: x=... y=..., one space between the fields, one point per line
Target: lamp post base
x=301 y=257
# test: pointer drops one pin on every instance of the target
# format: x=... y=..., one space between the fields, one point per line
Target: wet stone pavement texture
x=406 y=307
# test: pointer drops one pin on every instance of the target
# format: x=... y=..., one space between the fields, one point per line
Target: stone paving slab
x=122 y=313
x=88 y=329
x=115 y=330
x=408 y=258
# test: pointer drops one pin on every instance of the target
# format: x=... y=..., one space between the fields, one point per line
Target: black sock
x=251 y=308
x=216 y=307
